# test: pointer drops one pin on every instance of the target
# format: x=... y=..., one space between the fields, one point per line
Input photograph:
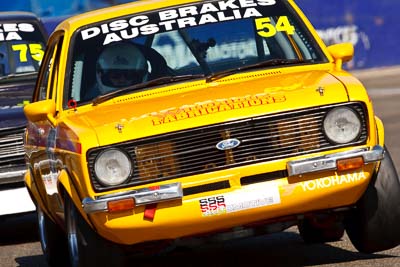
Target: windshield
x=22 y=47
x=209 y=40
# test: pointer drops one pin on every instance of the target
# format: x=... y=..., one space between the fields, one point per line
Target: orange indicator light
x=121 y=205
x=350 y=164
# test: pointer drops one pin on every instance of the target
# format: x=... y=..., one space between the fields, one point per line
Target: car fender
x=32 y=189
x=380 y=131
x=68 y=188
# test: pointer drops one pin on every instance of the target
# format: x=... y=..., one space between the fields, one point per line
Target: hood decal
x=216 y=106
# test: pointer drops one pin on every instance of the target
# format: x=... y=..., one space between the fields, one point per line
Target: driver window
x=47 y=79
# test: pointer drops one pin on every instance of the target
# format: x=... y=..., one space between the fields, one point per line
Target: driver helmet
x=120 y=65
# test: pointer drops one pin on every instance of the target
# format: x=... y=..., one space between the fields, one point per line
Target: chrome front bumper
x=142 y=196
x=329 y=162
x=12 y=176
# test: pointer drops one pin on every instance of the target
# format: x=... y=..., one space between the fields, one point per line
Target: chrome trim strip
x=328 y=162
x=11 y=174
x=15 y=176
x=141 y=196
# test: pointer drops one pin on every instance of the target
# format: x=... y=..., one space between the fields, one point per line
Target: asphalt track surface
x=19 y=244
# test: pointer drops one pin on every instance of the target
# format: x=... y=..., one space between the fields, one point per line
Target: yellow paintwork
x=148 y=112
x=164 y=109
x=176 y=219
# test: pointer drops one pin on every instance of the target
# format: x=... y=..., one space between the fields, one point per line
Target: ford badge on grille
x=228 y=144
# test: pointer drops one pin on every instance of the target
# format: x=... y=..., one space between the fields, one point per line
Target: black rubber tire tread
x=374 y=225
x=55 y=251
x=93 y=250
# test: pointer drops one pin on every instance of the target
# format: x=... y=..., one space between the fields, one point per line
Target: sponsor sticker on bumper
x=249 y=198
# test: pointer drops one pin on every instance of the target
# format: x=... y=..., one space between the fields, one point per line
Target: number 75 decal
x=35 y=50
x=265 y=28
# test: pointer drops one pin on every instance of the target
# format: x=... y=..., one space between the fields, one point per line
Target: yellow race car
x=154 y=123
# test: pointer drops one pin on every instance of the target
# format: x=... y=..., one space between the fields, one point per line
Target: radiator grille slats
x=11 y=148
x=194 y=151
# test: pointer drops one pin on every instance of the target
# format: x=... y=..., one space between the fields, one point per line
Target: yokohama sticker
x=333 y=181
x=250 y=198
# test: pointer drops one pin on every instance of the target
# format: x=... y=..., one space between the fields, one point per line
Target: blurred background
x=372 y=26
x=51 y=8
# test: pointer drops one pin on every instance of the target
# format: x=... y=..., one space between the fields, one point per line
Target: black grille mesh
x=194 y=151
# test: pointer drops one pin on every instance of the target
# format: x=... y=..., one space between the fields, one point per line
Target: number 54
x=266 y=29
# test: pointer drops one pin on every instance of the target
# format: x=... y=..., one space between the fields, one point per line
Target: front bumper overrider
x=330 y=161
x=142 y=196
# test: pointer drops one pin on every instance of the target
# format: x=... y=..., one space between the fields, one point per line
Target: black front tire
x=85 y=246
x=374 y=225
x=52 y=240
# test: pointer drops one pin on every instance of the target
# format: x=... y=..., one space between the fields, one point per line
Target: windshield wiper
x=271 y=62
x=159 y=81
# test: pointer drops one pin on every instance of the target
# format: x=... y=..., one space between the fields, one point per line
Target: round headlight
x=342 y=125
x=112 y=167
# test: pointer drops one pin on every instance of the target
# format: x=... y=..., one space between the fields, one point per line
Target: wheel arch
x=33 y=191
x=67 y=188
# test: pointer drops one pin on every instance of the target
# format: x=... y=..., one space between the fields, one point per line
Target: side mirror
x=341 y=53
x=40 y=111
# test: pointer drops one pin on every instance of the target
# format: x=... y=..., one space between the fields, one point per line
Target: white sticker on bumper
x=252 y=198
x=248 y=198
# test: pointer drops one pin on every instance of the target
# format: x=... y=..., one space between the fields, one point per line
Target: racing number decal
x=35 y=50
x=265 y=28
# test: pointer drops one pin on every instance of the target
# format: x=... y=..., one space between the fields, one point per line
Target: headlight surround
x=342 y=125
x=112 y=167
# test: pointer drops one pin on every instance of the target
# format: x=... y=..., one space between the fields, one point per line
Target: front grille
x=194 y=151
x=11 y=148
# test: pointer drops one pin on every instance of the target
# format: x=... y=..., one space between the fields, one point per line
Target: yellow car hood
x=189 y=105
